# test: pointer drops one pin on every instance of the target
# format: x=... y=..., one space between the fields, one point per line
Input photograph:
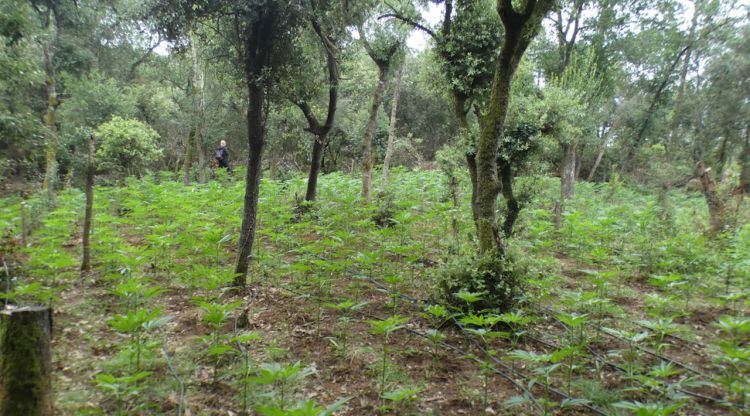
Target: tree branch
x=409 y=21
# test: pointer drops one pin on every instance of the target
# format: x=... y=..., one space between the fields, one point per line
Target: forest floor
x=598 y=333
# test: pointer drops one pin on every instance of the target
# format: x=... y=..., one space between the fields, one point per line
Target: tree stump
x=25 y=368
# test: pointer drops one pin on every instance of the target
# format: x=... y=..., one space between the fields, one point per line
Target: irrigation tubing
x=441 y=343
x=598 y=356
x=620 y=369
x=552 y=313
x=419 y=302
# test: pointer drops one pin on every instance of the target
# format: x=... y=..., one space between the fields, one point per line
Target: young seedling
x=137 y=324
x=385 y=328
x=282 y=379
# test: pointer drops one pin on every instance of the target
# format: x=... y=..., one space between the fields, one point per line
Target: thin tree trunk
x=568 y=172
x=189 y=144
x=315 y=163
x=597 y=162
x=195 y=92
x=675 y=124
x=744 y=186
x=50 y=122
x=392 y=124
x=90 y=171
x=377 y=97
x=25 y=362
x=258 y=48
x=201 y=160
x=321 y=131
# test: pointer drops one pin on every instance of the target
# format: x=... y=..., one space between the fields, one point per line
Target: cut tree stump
x=25 y=369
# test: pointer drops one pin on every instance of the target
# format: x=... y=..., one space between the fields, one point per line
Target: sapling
x=385 y=328
x=137 y=324
x=282 y=378
x=216 y=316
x=345 y=320
x=242 y=342
x=403 y=398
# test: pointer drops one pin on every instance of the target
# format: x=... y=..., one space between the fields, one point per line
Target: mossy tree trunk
x=383 y=59
x=715 y=202
x=25 y=368
x=520 y=28
x=377 y=97
x=258 y=47
x=89 y=213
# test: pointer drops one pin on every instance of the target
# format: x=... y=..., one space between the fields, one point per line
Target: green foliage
x=499 y=280
x=126 y=146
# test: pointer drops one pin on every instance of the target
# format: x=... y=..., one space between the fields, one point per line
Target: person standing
x=222 y=155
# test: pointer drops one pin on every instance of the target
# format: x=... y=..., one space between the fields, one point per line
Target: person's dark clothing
x=222 y=156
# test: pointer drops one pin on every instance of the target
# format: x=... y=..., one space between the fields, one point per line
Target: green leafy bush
x=497 y=279
x=126 y=146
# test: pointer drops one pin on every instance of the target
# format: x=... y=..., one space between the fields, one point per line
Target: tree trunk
x=315 y=163
x=520 y=29
x=744 y=187
x=186 y=164
x=321 y=131
x=25 y=362
x=201 y=161
x=392 y=124
x=258 y=48
x=90 y=171
x=506 y=180
x=50 y=122
x=568 y=172
x=716 y=204
x=597 y=162
x=196 y=91
x=370 y=133
x=675 y=124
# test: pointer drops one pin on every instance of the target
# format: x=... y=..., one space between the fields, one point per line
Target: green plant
x=282 y=378
x=122 y=388
x=137 y=324
x=385 y=328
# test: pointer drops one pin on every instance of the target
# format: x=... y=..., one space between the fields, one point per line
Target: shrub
x=498 y=279
x=125 y=146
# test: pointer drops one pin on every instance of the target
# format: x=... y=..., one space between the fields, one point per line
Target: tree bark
x=50 y=122
x=568 y=172
x=196 y=90
x=321 y=131
x=315 y=163
x=25 y=362
x=90 y=171
x=258 y=49
x=186 y=164
x=716 y=204
x=511 y=204
x=675 y=123
x=201 y=161
x=377 y=97
x=744 y=186
x=520 y=29
x=392 y=124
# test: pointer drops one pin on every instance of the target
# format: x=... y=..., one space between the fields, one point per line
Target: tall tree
x=328 y=21
x=383 y=49
x=521 y=26
x=260 y=31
